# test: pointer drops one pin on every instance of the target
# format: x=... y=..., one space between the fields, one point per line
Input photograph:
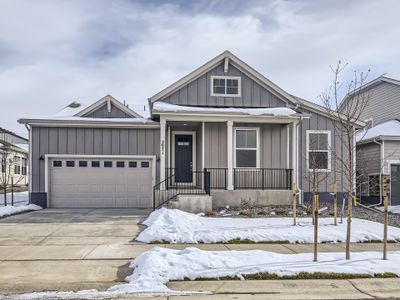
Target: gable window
x=227 y=86
x=246 y=147
x=318 y=150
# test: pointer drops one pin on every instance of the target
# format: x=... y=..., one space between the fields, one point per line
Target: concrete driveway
x=68 y=249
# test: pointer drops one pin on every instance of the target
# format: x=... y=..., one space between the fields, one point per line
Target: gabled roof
x=389 y=78
x=104 y=101
x=226 y=57
x=314 y=107
x=389 y=130
x=5 y=131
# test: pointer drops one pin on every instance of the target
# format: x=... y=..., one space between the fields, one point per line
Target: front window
x=225 y=86
x=17 y=165
x=246 y=147
x=318 y=150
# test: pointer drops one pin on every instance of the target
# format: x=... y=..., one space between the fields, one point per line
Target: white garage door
x=93 y=182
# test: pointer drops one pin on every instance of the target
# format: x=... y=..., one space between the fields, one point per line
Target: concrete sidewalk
x=291 y=289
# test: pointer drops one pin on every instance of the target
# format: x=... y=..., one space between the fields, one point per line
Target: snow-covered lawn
x=154 y=268
x=395 y=209
x=175 y=226
x=21 y=198
x=12 y=210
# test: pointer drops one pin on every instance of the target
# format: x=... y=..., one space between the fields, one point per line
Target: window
x=246 y=148
x=82 y=163
x=145 y=164
x=17 y=165
x=95 y=164
x=24 y=164
x=120 y=164
x=225 y=86
x=3 y=163
x=57 y=163
x=132 y=164
x=70 y=163
x=318 y=150
x=108 y=164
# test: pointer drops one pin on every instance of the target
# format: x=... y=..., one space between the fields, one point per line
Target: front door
x=183 y=158
x=395 y=184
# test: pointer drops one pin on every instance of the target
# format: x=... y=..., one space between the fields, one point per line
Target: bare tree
x=345 y=117
x=9 y=164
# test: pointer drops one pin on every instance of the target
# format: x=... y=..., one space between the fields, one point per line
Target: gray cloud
x=52 y=52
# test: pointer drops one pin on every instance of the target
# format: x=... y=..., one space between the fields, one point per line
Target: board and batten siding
x=392 y=153
x=198 y=92
x=320 y=122
x=102 y=112
x=369 y=158
x=89 y=141
x=384 y=103
x=273 y=144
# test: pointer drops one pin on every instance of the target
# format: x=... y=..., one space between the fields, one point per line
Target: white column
x=162 y=150
x=294 y=152
x=229 y=147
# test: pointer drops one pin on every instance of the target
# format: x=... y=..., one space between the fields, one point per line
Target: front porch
x=236 y=154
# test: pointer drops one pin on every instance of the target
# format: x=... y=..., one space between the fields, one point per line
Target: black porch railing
x=262 y=178
x=170 y=188
x=218 y=178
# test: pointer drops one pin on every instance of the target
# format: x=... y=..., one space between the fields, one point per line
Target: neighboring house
x=378 y=148
x=223 y=129
x=13 y=158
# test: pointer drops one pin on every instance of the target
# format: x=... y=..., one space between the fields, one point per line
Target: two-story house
x=378 y=148
x=224 y=129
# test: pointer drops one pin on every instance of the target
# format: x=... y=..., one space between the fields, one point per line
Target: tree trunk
x=334 y=204
x=316 y=206
x=385 y=227
x=294 y=204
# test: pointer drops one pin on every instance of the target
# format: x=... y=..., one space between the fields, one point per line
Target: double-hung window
x=246 y=148
x=17 y=165
x=319 y=150
x=226 y=86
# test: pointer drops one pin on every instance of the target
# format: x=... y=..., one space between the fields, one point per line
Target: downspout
x=299 y=183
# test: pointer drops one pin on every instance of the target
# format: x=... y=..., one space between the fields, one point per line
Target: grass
x=301 y=275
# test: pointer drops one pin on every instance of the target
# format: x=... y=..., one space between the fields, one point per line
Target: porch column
x=229 y=148
x=162 y=151
x=294 y=152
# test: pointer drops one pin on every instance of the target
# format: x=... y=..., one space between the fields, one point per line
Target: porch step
x=195 y=203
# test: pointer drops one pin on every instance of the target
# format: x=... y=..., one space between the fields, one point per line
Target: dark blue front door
x=183 y=158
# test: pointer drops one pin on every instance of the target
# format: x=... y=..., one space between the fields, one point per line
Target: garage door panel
x=100 y=186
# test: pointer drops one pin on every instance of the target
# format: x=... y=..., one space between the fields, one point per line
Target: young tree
x=346 y=116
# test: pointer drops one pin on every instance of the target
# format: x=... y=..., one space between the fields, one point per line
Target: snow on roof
x=392 y=76
x=274 y=111
x=388 y=129
x=73 y=119
x=23 y=146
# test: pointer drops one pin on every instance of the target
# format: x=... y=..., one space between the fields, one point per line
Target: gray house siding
x=384 y=103
x=392 y=153
x=273 y=144
x=368 y=158
x=88 y=141
x=102 y=112
x=320 y=122
x=198 y=92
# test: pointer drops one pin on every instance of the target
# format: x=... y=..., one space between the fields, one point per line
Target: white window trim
x=257 y=129
x=238 y=78
x=308 y=132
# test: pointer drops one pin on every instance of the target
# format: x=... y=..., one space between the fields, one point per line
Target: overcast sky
x=53 y=52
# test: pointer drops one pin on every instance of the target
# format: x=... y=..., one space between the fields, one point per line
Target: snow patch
x=12 y=210
x=154 y=268
x=395 y=209
x=175 y=226
x=273 y=111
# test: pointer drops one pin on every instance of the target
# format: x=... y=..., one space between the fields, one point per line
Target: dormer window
x=226 y=86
